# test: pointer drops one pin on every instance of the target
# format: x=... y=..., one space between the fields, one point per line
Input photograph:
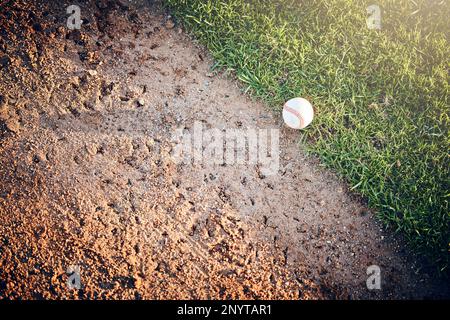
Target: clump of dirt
x=87 y=176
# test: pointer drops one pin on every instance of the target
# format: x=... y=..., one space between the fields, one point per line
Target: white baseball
x=298 y=113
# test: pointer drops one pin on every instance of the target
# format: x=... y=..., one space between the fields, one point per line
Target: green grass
x=381 y=96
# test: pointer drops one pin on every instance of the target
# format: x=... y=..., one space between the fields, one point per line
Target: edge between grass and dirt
x=380 y=96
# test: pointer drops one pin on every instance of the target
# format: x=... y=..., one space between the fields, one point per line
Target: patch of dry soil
x=87 y=177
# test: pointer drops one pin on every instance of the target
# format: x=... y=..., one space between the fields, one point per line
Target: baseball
x=298 y=113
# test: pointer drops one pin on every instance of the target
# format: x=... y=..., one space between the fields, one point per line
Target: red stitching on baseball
x=295 y=113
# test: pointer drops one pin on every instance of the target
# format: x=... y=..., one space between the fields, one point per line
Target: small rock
x=91 y=149
x=137 y=282
x=74 y=81
x=141 y=102
x=168 y=118
x=150 y=143
x=92 y=73
x=107 y=89
x=89 y=105
x=170 y=24
x=4 y=112
x=131 y=93
x=132 y=260
x=12 y=125
x=39 y=158
x=61 y=31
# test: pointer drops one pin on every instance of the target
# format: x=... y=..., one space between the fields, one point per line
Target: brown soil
x=87 y=177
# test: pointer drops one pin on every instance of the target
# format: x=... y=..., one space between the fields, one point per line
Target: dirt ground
x=87 y=176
